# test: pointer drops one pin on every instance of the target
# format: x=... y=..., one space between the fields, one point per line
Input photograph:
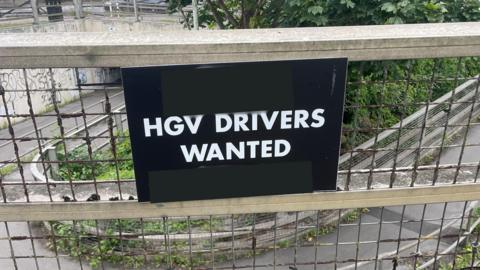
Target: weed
x=284 y=243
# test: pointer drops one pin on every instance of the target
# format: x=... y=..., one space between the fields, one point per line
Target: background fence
x=407 y=178
x=18 y=12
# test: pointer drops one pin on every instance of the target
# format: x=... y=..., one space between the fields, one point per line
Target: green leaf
x=389 y=7
x=431 y=6
x=348 y=3
x=404 y=3
x=315 y=10
x=394 y=20
x=295 y=3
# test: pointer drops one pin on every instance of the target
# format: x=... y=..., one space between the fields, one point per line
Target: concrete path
x=48 y=127
x=24 y=250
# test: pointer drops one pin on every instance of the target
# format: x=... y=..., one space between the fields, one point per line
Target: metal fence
x=407 y=192
x=18 y=12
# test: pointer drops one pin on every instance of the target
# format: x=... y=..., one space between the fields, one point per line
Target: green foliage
x=7 y=169
x=73 y=239
x=102 y=168
x=372 y=83
x=350 y=217
x=80 y=240
x=179 y=259
x=476 y=213
x=354 y=215
x=361 y=92
x=463 y=260
x=283 y=243
x=157 y=227
x=290 y=13
x=323 y=229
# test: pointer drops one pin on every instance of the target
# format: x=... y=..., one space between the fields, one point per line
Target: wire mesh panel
x=407 y=124
x=438 y=236
x=20 y=13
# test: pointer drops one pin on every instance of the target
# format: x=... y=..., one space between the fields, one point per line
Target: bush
x=100 y=166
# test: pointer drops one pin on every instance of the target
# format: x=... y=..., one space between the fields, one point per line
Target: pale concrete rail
x=358 y=43
x=302 y=202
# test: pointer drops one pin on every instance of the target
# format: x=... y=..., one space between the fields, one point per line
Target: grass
x=476 y=213
x=77 y=240
x=324 y=229
x=156 y=226
x=11 y=167
x=354 y=215
x=463 y=259
x=284 y=243
x=102 y=167
x=4 y=125
x=7 y=169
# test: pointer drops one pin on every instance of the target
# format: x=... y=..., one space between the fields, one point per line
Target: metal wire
x=63 y=141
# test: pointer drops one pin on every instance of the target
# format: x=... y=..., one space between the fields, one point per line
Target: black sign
x=234 y=130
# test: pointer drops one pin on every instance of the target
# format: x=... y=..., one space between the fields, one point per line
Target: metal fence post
x=52 y=158
x=195 y=14
x=40 y=135
x=118 y=123
x=110 y=8
x=135 y=10
x=78 y=5
x=34 y=5
x=468 y=221
x=76 y=124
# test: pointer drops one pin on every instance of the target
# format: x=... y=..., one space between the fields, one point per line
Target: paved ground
x=26 y=247
x=348 y=235
x=48 y=127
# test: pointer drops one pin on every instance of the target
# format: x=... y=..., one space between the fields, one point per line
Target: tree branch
x=216 y=15
x=183 y=15
x=244 y=22
x=259 y=7
x=228 y=14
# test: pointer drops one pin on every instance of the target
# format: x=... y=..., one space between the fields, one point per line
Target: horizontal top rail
x=358 y=43
x=263 y=204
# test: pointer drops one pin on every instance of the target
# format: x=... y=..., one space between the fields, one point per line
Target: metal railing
x=407 y=178
x=40 y=12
